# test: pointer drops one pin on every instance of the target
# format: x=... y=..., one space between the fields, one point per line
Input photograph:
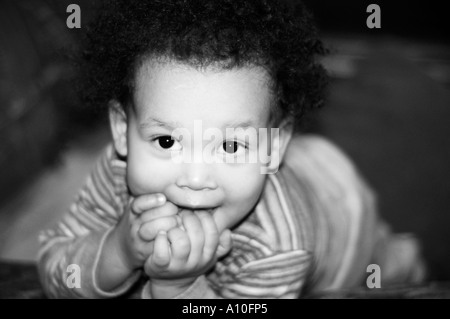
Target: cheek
x=244 y=183
x=246 y=190
x=243 y=191
x=145 y=173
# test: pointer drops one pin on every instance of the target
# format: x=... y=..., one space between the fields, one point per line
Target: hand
x=136 y=231
x=130 y=244
x=180 y=256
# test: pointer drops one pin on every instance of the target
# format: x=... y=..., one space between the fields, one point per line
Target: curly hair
x=222 y=33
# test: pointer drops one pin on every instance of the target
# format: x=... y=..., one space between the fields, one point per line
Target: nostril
x=196 y=177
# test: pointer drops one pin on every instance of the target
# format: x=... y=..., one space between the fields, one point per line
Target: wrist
x=110 y=270
x=117 y=247
x=169 y=288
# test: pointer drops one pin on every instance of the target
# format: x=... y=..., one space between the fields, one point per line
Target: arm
x=279 y=276
x=249 y=271
x=345 y=213
x=84 y=234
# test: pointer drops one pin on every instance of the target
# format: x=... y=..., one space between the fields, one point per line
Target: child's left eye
x=168 y=142
x=231 y=147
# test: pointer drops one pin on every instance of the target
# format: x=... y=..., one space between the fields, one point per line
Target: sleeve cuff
x=123 y=288
x=198 y=290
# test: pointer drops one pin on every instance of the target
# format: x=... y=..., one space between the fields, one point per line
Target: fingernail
x=160 y=198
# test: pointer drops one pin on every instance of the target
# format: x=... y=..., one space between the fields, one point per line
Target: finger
x=161 y=250
x=180 y=244
x=211 y=234
x=150 y=248
x=146 y=249
x=145 y=202
x=180 y=222
x=225 y=243
x=148 y=231
x=168 y=209
x=194 y=230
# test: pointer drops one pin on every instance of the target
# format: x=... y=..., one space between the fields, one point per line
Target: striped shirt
x=314 y=228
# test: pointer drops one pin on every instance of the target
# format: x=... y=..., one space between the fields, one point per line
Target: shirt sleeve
x=251 y=272
x=350 y=233
x=279 y=275
x=79 y=237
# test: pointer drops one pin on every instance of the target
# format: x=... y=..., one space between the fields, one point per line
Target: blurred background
x=388 y=108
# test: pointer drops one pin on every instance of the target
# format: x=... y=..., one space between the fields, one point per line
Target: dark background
x=418 y=20
x=388 y=108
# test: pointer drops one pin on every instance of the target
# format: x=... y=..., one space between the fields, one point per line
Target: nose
x=196 y=176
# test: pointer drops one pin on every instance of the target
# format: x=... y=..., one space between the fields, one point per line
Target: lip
x=184 y=199
x=194 y=199
x=193 y=207
x=210 y=210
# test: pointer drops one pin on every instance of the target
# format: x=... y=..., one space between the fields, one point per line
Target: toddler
x=262 y=211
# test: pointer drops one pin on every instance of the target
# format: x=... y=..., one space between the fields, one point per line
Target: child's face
x=170 y=96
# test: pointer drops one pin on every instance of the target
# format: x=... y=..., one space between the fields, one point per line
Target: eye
x=230 y=147
x=167 y=142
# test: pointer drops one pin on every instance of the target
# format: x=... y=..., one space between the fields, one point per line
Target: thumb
x=225 y=243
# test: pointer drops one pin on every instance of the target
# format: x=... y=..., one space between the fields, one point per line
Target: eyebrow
x=151 y=122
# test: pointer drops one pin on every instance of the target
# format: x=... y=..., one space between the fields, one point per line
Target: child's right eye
x=167 y=142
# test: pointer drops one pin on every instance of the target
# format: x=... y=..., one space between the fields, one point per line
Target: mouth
x=210 y=210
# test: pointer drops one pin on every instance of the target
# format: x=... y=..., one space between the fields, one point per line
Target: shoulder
x=106 y=184
x=342 y=206
x=317 y=150
x=322 y=163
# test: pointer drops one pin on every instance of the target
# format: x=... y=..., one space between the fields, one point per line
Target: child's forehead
x=170 y=90
x=166 y=69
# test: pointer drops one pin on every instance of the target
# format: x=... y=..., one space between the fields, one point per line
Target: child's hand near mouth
x=174 y=246
x=131 y=243
x=183 y=253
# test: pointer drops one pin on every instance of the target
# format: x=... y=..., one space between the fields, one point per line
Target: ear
x=118 y=123
x=279 y=144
